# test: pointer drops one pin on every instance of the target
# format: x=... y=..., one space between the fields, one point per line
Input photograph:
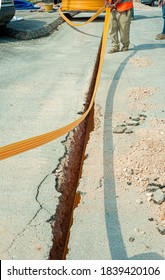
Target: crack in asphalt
x=58 y=169
x=33 y=218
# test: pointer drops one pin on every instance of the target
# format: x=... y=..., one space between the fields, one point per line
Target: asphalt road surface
x=43 y=87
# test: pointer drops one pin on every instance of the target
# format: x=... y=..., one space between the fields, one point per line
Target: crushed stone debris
x=144 y=158
x=138 y=98
x=119 y=129
x=128 y=131
x=126 y=124
x=142 y=166
x=141 y=61
x=140 y=93
x=133 y=123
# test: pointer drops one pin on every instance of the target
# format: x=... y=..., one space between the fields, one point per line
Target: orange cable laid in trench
x=36 y=141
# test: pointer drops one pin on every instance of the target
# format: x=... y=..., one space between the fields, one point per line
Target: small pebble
x=132 y=123
x=132 y=239
x=128 y=131
x=139 y=201
x=151 y=219
x=119 y=129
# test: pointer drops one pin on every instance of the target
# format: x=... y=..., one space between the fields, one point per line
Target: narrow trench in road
x=77 y=197
x=68 y=174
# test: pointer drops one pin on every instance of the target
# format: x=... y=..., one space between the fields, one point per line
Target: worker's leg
x=124 y=20
x=161 y=36
x=163 y=14
x=114 y=32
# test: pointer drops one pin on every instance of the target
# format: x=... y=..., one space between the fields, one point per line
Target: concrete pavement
x=114 y=219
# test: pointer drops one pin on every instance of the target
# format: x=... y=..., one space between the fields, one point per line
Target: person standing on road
x=121 y=14
x=161 y=36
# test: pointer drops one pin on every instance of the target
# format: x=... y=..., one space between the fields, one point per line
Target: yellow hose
x=101 y=10
x=36 y=141
x=82 y=5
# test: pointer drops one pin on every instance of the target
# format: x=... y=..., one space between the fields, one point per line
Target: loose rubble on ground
x=143 y=165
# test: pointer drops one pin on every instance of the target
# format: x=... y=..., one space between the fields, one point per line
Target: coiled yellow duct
x=82 y=5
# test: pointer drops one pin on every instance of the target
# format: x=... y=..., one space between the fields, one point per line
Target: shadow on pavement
x=84 y=19
x=137 y=17
x=153 y=46
x=85 y=33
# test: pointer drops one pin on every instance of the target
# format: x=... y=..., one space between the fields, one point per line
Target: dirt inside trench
x=68 y=173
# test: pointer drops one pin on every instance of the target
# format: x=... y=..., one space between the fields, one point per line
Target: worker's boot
x=124 y=48
x=113 y=50
x=160 y=36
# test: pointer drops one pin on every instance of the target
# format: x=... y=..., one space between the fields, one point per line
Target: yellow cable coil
x=36 y=141
x=82 y=5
